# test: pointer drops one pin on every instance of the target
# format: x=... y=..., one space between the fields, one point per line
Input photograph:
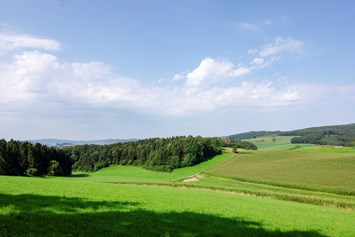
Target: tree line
x=159 y=154
x=25 y=158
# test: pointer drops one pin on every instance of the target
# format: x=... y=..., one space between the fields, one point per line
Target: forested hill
x=160 y=154
x=25 y=158
x=339 y=135
x=252 y=134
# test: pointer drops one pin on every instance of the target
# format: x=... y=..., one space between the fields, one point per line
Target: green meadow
x=320 y=169
x=274 y=142
x=278 y=190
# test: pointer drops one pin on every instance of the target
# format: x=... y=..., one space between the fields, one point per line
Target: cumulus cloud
x=212 y=70
x=38 y=77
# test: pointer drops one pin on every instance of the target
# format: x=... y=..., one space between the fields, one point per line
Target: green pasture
x=60 y=207
x=274 y=142
x=121 y=173
x=218 y=183
x=313 y=168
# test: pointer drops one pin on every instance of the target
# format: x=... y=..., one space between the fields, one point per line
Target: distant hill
x=253 y=134
x=338 y=135
x=61 y=142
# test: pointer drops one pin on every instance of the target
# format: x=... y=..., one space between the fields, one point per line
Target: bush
x=31 y=172
x=55 y=169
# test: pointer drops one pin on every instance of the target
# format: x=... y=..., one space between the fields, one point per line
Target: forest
x=24 y=158
x=159 y=154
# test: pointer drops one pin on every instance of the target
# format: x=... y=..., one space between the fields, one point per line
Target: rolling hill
x=338 y=135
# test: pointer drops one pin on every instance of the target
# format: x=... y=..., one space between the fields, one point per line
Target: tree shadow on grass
x=33 y=215
x=79 y=175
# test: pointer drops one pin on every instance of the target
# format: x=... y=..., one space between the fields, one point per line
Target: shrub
x=31 y=172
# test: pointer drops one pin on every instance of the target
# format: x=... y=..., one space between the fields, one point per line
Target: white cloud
x=216 y=70
x=281 y=45
x=38 y=79
x=260 y=95
x=35 y=77
x=178 y=77
x=247 y=26
x=10 y=41
x=258 y=61
x=212 y=70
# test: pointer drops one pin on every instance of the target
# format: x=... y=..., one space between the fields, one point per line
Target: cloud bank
x=35 y=77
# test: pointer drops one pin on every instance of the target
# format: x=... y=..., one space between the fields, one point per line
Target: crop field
x=278 y=191
x=311 y=168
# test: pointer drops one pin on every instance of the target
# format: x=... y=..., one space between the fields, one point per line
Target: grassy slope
x=327 y=169
x=138 y=174
x=90 y=209
x=274 y=142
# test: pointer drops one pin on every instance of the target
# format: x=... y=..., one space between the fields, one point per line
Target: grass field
x=60 y=207
x=138 y=174
x=274 y=142
x=268 y=192
x=311 y=168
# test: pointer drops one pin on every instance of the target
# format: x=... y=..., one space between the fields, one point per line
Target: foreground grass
x=60 y=207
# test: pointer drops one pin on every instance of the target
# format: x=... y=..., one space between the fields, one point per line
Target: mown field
x=279 y=191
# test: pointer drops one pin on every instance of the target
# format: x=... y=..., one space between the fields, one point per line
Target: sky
x=78 y=69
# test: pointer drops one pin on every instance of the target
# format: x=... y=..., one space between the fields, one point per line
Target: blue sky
x=137 y=69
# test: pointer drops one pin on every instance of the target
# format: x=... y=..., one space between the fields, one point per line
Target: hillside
x=338 y=135
x=252 y=134
x=159 y=154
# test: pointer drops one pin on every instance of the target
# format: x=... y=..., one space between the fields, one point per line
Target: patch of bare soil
x=193 y=179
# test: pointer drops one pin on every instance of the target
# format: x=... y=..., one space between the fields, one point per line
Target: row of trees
x=24 y=158
x=160 y=154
